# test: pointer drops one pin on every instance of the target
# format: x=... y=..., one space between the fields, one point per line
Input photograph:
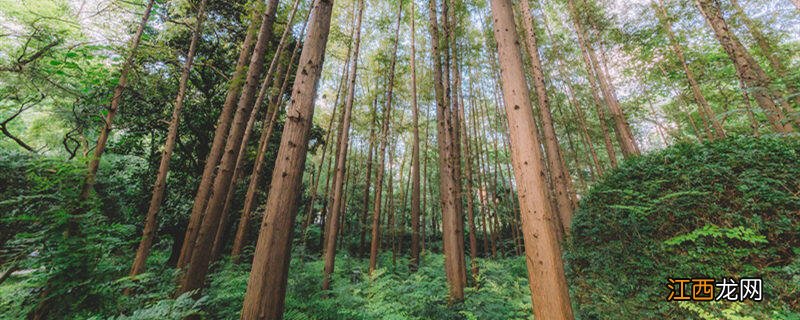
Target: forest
x=400 y=159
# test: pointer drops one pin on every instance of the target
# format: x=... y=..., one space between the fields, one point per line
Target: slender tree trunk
x=695 y=87
x=573 y=101
x=263 y=143
x=218 y=145
x=341 y=158
x=415 y=178
x=266 y=287
x=198 y=264
x=473 y=240
x=746 y=66
x=481 y=188
x=387 y=118
x=549 y=290
x=559 y=174
x=454 y=263
x=150 y=226
x=622 y=129
x=368 y=183
x=773 y=57
x=73 y=227
x=310 y=207
x=238 y=173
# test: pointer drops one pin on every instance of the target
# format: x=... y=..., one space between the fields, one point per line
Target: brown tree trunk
x=238 y=173
x=198 y=264
x=473 y=240
x=768 y=51
x=451 y=238
x=622 y=129
x=73 y=227
x=266 y=286
x=263 y=143
x=341 y=158
x=746 y=66
x=218 y=145
x=326 y=147
x=368 y=183
x=693 y=85
x=549 y=291
x=415 y=178
x=387 y=118
x=559 y=174
x=151 y=224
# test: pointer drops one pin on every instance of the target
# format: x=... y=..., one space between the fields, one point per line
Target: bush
x=723 y=209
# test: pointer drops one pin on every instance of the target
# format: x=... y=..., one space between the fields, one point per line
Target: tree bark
x=73 y=227
x=415 y=177
x=387 y=118
x=622 y=129
x=266 y=287
x=198 y=264
x=368 y=183
x=768 y=51
x=549 y=290
x=238 y=173
x=341 y=158
x=746 y=66
x=559 y=174
x=151 y=224
x=218 y=145
x=454 y=263
x=695 y=87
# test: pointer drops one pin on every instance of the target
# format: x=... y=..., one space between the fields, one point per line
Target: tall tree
x=102 y=140
x=747 y=67
x=269 y=80
x=160 y=185
x=263 y=142
x=220 y=134
x=415 y=177
x=198 y=264
x=549 y=290
x=559 y=174
x=621 y=126
x=266 y=287
x=451 y=224
x=699 y=98
x=387 y=118
x=341 y=157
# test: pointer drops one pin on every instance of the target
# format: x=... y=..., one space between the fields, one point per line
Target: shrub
x=723 y=209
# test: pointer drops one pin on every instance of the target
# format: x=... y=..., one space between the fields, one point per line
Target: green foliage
x=722 y=209
x=390 y=293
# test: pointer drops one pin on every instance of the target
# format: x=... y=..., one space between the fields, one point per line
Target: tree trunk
x=151 y=224
x=218 y=145
x=768 y=51
x=454 y=263
x=695 y=87
x=549 y=290
x=368 y=183
x=415 y=178
x=387 y=118
x=559 y=174
x=238 y=173
x=341 y=158
x=266 y=287
x=198 y=264
x=73 y=227
x=263 y=143
x=746 y=66
x=622 y=129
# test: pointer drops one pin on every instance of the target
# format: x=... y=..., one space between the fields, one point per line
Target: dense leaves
x=722 y=209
